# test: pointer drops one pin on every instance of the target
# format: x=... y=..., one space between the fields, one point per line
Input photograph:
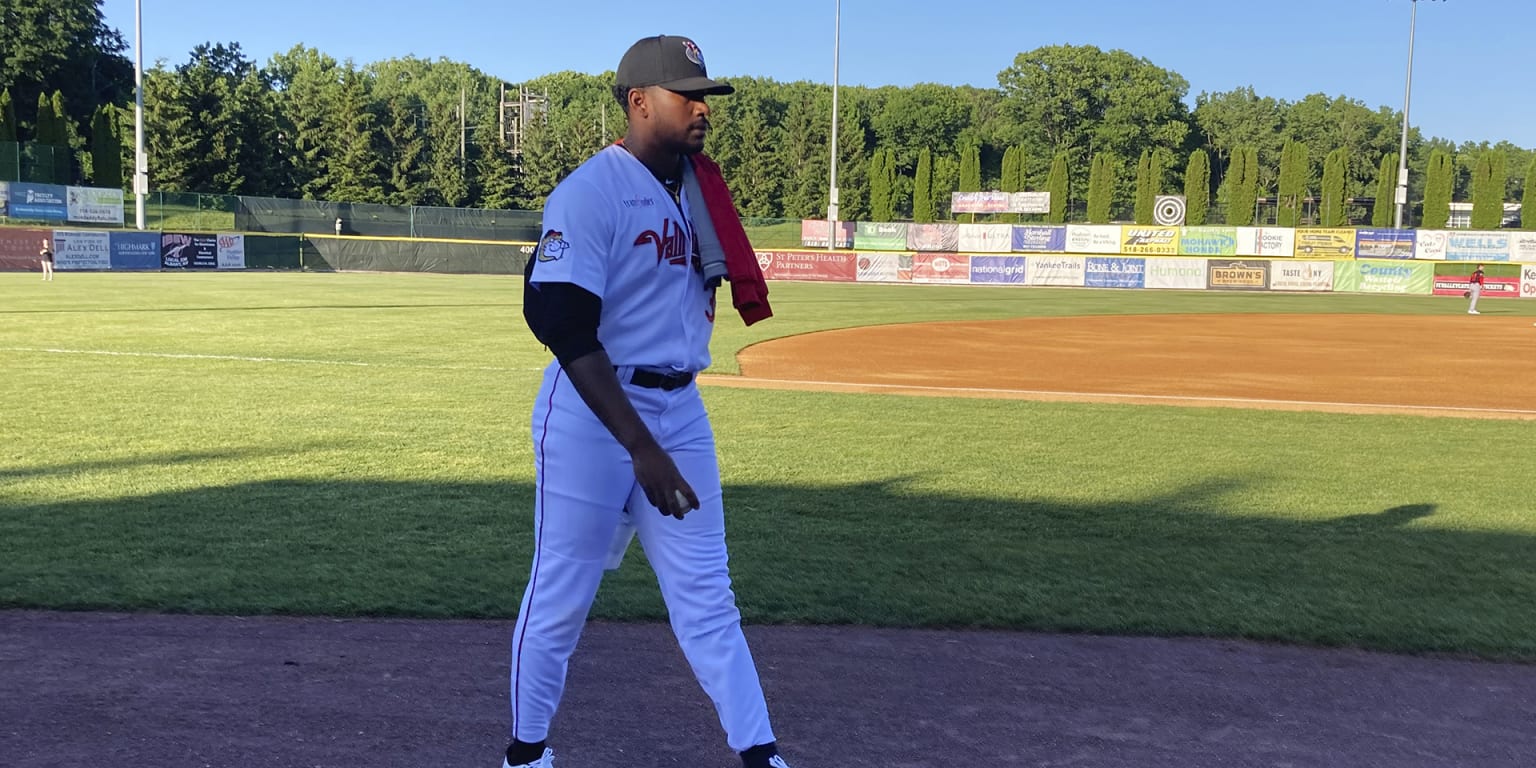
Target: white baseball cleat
x=777 y=762
x=1473 y=312
x=545 y=761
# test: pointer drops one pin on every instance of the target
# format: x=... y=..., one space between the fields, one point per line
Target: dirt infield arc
x=1483 y=366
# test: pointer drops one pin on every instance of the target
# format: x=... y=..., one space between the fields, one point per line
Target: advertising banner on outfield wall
x=1383 y=277
x=1522 y=245
x=1115 y=272
x=978 y=202
x=941 y=268
x=76 y=249
x=1088 y=238
x=1477 y=246
x=820 y=266
x=880 y=236
x=231 y=251
x=1150 y=241
x=1499 y=280
x=813 y=233
x=5 y=197
x=1185 y=274
x=879 y=267
x=1305 y=275
x=1528 y=281
x=19 y=247
x=986 y=238
x=997 y=269
x=188 y=251
x=1384 y=243
x=47 y=202
x=933 y=237
x=1057 y=270
x=95 y=205
x=135 y=250
x=1208 y=241
x=1039 y=239
x=1237 y=275
x=1325 y=243
x=1429 y=244
x=1266 y=241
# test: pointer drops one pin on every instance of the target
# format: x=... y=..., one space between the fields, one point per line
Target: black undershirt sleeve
x=563 y=317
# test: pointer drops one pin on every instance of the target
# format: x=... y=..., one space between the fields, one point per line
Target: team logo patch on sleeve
x=552 y=246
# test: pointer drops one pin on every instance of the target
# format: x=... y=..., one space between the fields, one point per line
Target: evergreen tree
x=63 y=142
x=1057 y=185
x=403 y=145
x=755 y=181
x=922 y=189
x=106 y=152
x=852 y=163
x=879 y=188
x=1335 y=169
x=1438 y=183
x=1243 y=189
x=946 y=181
x=1197 y=189
x=1488 y=191
x=1146 y=188
x=496 y=175
x=1528 y=200
x=1384 y=212
x=1294 y=173
x=448 y=184
x=970 y=169
x=1101 y=189
x=7 y=116
x=356 y=173
x=1012 y=177
x=804 y=157
x=10 y=151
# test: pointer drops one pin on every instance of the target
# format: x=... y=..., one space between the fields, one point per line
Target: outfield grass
x=312 y=483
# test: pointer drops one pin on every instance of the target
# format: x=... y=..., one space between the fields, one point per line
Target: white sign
x=231 y=251
x=1430 y=244
x=95 y=205
x=1301 y=276
x=1087 y=238
x=1029 y=202
x=73 y=249
x=1266 y=241
x=1057 y=270
x=879 y=267
x=986 y=238
x=1477 y=246
x=1176 y=273
x=1528 y=282
x=1522 y=245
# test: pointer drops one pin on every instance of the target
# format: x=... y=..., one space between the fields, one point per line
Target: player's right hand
x=663 y=484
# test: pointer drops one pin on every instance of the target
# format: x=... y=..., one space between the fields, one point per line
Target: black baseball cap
x=668 y=61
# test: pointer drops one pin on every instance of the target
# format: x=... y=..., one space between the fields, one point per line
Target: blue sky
x=1356 y=48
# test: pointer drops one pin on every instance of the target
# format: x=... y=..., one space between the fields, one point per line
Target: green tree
x=1146 y=188
x=1058 y=185
x=946 y=181
x=1197 y=189
x=1528 y=199
x=45 y=133
x=879 y=188
x=1294 y=177
x=7 y=116
x=66 y=46
x=497 y=180
x=755 y=182
x=1488 y=191
x=970 y=169
x=852 y=164
x=1243 y=186
x=1437 y=190
x=1335 y=170
x=1012 y=179
x=403 y=150
x=1101 y=189
x=356 y=171
x=1384 y=211
x=106 y=150
x=10 y=157
x=1241 y=118
x=922 y=188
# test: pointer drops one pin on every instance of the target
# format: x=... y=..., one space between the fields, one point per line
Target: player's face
x=681 y=119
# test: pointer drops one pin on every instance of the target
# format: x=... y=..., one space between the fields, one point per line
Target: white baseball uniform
x=614 y=230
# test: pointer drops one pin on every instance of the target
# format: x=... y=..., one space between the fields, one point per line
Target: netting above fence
x=281 y=215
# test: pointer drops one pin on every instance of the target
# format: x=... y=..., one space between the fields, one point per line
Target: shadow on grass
x=156 y=310
x=880 y=553
x=158 y=460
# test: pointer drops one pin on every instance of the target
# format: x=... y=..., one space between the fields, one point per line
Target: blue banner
x=178 y=251
x=39 y=201
x=1040 y=239
x=1384 y=243
x=135 y=250
x=997 y=269
x=1116 y=272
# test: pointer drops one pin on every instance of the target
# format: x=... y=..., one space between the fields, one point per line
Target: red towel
x=749 y=291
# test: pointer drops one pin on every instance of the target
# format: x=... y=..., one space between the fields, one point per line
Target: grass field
x=356 y=444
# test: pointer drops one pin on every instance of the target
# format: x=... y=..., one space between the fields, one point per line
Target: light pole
x=140 y=160
x=837 y=22
x=1402 y=155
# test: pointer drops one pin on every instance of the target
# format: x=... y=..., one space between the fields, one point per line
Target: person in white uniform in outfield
x=621 y=440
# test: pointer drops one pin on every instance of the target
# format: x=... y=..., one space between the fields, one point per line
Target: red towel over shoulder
x=749 y=291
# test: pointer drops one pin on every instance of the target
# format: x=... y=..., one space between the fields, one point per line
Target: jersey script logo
x=671 y=244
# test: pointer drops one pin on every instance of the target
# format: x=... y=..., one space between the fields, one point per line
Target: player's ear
x=637 y=101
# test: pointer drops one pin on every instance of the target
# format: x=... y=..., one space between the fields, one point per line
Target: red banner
x=809 y=265
x=1493 y=287
x=941 y=268
x=19 y=247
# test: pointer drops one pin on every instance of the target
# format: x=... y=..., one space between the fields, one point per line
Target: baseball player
x=45 y=257
x=616 y=290
x=1475 y=289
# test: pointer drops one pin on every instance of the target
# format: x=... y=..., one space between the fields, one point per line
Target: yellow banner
x=1325 y=243
x=1152 y=241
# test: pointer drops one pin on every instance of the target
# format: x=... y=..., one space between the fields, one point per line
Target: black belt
x=662 y=381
